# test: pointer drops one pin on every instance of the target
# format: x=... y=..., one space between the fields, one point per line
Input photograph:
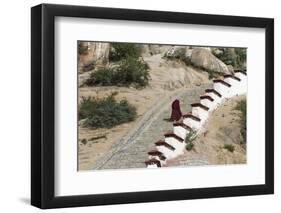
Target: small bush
x=132 y=71
x=103 y=76
x=120 y=51
x=189 y=146
x=105 y=112
x=190 y=137
x=229 y=147
x=128 y=72
x=84 y=141
x=242 y=107
x=87 y=108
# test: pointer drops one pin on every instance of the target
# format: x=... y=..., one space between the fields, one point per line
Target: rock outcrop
x=94 y=53
x=170 y=74
x=203 y=58
x=176 y=52
x=179 y=52
x=154 y=49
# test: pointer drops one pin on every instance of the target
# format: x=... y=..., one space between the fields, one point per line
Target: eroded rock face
x=94 y=53
x=173 y=74
x=176 y=51
x=203 y=58
x=153 y=49
x=230 y=68
x=179 y=52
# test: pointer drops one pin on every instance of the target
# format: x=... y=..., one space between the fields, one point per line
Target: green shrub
x=129 y=71
x=121 y=51
x=84 y=141
x=242 y=107
x=190 y=137
x=103 y=76
x=228 y=57
x=105 y=112
x=189 y=146
x=229 y=147
x=86 y=108
x=213 y=74
x=132 y=71
x=241 y=57
x=236 y=58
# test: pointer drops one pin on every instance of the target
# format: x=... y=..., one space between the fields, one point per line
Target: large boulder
x=203 y=58
x=179 y=52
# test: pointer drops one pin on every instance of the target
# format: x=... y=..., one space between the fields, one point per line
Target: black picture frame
x=43 y=117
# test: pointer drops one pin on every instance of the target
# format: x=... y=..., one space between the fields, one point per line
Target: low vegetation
x=190 y=137
x=84 y=141
x=242 y=107
x=103 y=76
x=234 y=56
x=120 y=51
x=105 y=112
x=229 y=147
x=212 y=74
x=129 y=71
x=132 y=71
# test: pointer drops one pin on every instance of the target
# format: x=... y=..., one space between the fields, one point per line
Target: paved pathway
x=131 y=151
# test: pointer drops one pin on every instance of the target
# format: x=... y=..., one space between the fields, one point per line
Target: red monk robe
x=176 y=111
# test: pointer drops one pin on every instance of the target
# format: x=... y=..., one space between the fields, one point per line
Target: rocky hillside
x=146 y=77
x=170 y=66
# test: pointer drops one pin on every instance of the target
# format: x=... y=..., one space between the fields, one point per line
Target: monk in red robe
x=176 y=111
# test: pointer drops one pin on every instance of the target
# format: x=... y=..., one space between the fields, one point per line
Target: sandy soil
x=143 y=100
x=222 y=128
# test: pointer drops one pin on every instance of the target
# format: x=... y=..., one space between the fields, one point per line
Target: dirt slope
x=222 y=128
